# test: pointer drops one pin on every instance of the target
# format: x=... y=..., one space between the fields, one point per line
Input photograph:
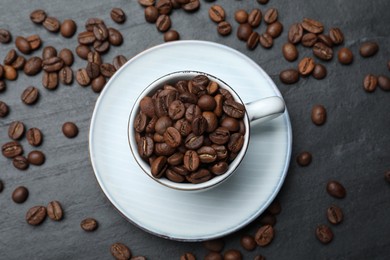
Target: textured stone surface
x=353 y=146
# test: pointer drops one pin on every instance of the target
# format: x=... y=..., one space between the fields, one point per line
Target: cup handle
x=265 y=109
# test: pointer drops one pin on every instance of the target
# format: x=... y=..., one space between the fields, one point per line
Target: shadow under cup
x=149 y=91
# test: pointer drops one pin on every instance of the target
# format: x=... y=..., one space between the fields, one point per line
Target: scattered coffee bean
x=10 y=57
x=306 y=66
x=191 y=6
x=275 y=29
x=54 y=210
x=263 y=2
x=89 y=224
x=213 y=256
x=82 y=51
x=319 y=71
x=82 y=77
x=67 y=56
x=20 y=162
x=324 y=234
x=318 y=115
x=118 y=62
x=334 y=214
x=336 y=189
x=68 y=28
x=36 y=157
x=107 y=70
x=264 y=235
x=48 y=52
x=224 y=28
x=232 y=254
x=268 y=219
x=368 y=49
x=215 y=245
x=322 y=51
x=266 y=40
x=4 y=110
x=34 y=136
x=19 y=63
x=370 y=82
x=20 y=194
x=53 y=64
x=244 y=31
x=50 y=80
x=120 y=251
x=34 y=41
x=11 y=149
x=309 y=39
x=217 y=13
x=164 y=6
x=188 y=256
x=345 y=56
x=66 y=75
x=33 y=66
x=101 y=46
x=5 y=36
x=70 y=129
x=336 y=35
x=51 y=24
x=295 y=33
x=289 y=76
x=325 y=39
x=252 y=41
x=118 y=15
x=95 y=57
x=93 y=70
x=241 y=16
x=290 y=52
x=312 y=26
x=16 y=130
x=98 y=84
x=146 y=3
x=254 y=17
x=384 y=83
x=171 y=35
x=100 y=32
x=92 y=22
x=1 y=71
x=115 y=37
x=259 y=257
x=86 y=37
x=274 y=208
x=163 y=23
x=304 y=158
x=38 y=16
x=151 y=14
x=271 y=15
x=36 y=215
x=3 y=86
x=248 y=242
x=22 y=45
x=386 y=175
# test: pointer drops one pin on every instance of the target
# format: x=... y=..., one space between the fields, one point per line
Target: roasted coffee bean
x=319 y=71
x=38 y=16
x=54 y=210
x=171 y=35
x=183 y=126
x=215 y=245
x=4 y=110
x=188 y=97
x=290 y=52
x=212 y=121
x=82 y=77
x=67 y=56
x=244 y=31
x=68 y=28
x=336 y=36
x=70 y=129
x=51 y=24
x=176 y=109
x=146 y=2
x=236 y=142
x=147 y=106
x=118 y=15
x=192 y=6
x=318 y=115
x=16 y=130
x=207 y=103
x=119 y=61
x=1 y=71
x=334 y=214
x=254 y=17
x=182 y=2
x=172 y=137
x=173 y=176
x=114 y=37
x=368 y=49
x=98 y=84
x=193 y=141
x=259 y=257
x=306 y=66
x=212 y=88
x=10 y=57
x=151 y=14
x=202 y=175
x=192 y=112
x=159 y=166
x=33 y=66
x=241 y=16
x=264 y=235
x=221 y=151
x=295 y=33
x=207 y=154
x=66 y=75
x=384 y=83
x=82 y=51
x=101 y=46
x=20 y=194
x=304 y=158
x=180 y=170
x=150 y=127
x=93 y=70
x=22 y=45
x=231 y=124
x=268 y=219
x=248 y=242
x=11 y=149
x=92 y=22
x=107 y=70
x=120 y=252
x=274 y=208
x=163 y=23
x=34 y=136
x=161 y=126
x=89 y=224
x=219 y=168
x=345 y=56
x=213 y=256
x=164 y=6
x=336 y=189
x=275 y=29
x=252 y=41
x=100 y=31
x=312 y=26
x=234 y=109
x=95 y=57
x=322 y=51
x=386 y=175
x=266 y=40
x=224 y=28
x=3 y=86
x=19 y=63
x=5 y=36
x=232 y=254
x=34 y=41
x=370 y=82
x=325 y=39
x=53 y=64
x=217 y=13
x=145 y=147
x=20 y=163
x=36 y=215
x=309 y=39
x=188 y=256
x=86 y=37
x=175 y=159
x=48 y=52
x=36 y=157
x=271 y=15
x=324 y=234
x=220 y=136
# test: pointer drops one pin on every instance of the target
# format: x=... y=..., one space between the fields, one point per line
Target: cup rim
x=213 y=182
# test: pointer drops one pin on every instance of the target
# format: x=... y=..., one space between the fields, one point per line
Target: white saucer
x=175 y=214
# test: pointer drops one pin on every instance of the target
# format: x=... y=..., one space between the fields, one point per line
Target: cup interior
x=149 y=91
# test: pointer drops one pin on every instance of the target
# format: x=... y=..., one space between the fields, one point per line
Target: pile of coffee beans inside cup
x=190 y=131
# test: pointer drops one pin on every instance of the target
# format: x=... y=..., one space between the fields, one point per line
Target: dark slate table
x=352 y=147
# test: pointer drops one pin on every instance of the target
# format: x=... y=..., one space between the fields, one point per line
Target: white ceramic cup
x=258 y=111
